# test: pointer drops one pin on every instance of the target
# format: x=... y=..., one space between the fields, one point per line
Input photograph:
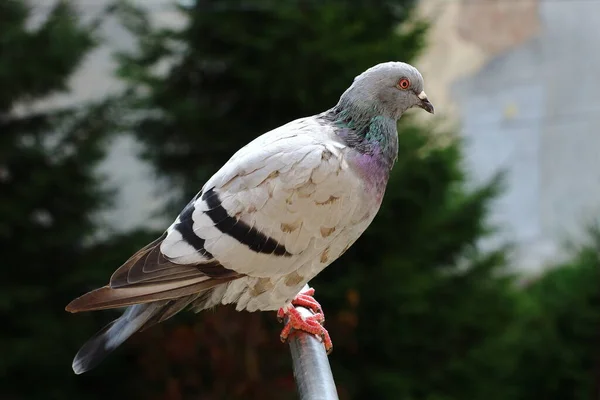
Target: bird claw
x=312 y=324
x=304 y=299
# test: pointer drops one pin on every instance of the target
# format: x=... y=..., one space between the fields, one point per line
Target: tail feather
x=171 y=308
x=107 y=297
x=113 y=335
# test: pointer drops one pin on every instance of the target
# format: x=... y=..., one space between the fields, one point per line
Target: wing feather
x=269 y=210
x=107 y=297
x=149 y=276
x=270 y=203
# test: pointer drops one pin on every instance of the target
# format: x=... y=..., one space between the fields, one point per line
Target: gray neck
x=366 y=129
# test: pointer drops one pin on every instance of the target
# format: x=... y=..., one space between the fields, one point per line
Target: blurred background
x=480 y=277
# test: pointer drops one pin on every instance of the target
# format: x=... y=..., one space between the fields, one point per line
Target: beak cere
x=425 y=103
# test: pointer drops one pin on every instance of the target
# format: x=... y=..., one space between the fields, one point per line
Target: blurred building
x=519 y=77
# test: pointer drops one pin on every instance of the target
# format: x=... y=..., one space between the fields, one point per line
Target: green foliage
x=35 y=63
x=558 y=346
x=48 y=194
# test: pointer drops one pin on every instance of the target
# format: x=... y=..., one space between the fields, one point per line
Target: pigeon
x=283 y=208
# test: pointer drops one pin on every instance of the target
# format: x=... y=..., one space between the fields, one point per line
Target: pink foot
x=306 y=300
x=312 y=324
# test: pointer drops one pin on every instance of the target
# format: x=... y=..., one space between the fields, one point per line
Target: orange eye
x=404 y=83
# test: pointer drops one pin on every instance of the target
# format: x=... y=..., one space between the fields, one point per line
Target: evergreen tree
x=414 y=310
x=49 y=193
x=558 y=343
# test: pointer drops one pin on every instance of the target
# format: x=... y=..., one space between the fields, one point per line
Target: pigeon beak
x=425 y=104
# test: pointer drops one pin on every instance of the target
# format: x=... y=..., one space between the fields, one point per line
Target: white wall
x=527 y=102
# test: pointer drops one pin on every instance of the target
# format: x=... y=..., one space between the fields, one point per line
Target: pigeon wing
x=266 y=212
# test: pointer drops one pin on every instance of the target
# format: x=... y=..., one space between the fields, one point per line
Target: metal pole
x=311 y=366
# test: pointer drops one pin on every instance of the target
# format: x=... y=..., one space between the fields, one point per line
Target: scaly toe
x=306 y=301
x=312 y=325
x=280 y=315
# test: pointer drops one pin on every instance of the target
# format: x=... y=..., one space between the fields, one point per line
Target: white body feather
x=293 y=184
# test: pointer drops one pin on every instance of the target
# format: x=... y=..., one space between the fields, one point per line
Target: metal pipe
x=311 y=366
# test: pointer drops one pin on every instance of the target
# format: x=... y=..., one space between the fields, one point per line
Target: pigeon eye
x=403 y=83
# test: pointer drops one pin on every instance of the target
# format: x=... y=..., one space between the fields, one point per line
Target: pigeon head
x=389 y=89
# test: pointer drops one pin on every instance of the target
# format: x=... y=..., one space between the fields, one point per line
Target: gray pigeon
x=282 y=209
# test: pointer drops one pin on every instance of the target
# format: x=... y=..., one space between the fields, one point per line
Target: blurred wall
x=521 y=78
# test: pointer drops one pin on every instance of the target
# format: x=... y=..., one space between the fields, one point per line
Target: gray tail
x=113 y=335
